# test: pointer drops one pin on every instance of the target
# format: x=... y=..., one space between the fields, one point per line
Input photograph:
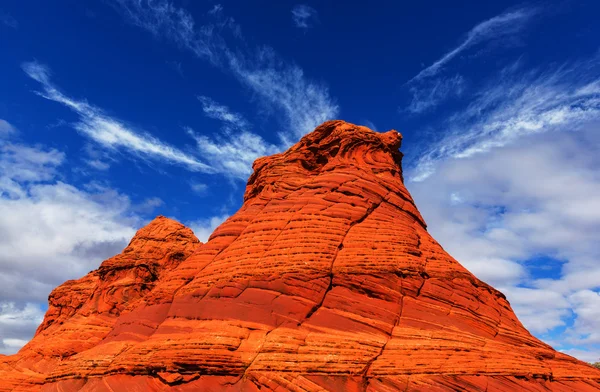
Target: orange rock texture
x=325 y=280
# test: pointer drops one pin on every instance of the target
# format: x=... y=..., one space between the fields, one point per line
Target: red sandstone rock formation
x=325 y=280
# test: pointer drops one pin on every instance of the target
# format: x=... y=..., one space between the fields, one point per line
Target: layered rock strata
x=325 y=280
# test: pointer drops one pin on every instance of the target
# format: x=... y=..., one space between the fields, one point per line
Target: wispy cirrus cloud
x=232 y=154
x=108 y=131
x=278 y=85
x=166 y=21
x=428 y=95
x=282 y=86
x=499 y=27
x=229 y=152
x=514 y=104
x=430 y=87
x=220 y=112
x=304 y=16
x=235 y=148
x=8 y=20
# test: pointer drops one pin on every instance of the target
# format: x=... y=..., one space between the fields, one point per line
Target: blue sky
x=114 y=111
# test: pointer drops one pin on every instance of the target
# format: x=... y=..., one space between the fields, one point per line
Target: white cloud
x=98 y=164
x=510 y=189
x=17 y=325
x=539 y=310
x=110 y=132
x=429 y=89
x=304 y=16
x=220 y=112
x=429 y=94
x=163 y=19
x=282 y=86
x=504 y=213
x=147 y=206
x=203 y=228
x=50 y=232
x=97 y=158
x=586 y=304
x=6 y=129
x=233 y=154
x=233 y=151
x=514 y=104
x=198 y=187
x=277 y=84
x=497 y=28
x=21 y=164
x=584 y=355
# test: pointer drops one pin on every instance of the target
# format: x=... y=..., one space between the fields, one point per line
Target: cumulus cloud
x=50 y=231
x=279 y=85
x=586 y=330
x=22 y=164
x=508 y=184
x=525 y=217
x=17 y=325
x=304 y=16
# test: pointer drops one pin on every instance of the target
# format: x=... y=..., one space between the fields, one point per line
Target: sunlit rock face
x=325 y=280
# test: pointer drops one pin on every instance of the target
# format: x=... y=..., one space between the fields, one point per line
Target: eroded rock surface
x=325 y=280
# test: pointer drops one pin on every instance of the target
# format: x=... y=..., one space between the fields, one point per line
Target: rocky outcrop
x=325 y=279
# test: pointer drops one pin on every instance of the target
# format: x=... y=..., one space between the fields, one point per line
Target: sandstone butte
x=325 y=280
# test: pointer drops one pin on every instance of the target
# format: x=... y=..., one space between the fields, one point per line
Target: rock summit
x=326 y=279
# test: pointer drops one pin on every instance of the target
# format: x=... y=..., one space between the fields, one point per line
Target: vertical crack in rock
x=339 y=248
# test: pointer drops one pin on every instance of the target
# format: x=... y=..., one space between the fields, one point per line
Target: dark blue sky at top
x=362 y=53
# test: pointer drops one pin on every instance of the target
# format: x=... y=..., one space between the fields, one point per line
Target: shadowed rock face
x=325 y=279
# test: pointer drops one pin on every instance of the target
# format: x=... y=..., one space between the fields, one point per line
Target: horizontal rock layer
x=325 y=279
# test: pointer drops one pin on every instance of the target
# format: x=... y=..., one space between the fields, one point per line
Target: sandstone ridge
x=326 y=279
